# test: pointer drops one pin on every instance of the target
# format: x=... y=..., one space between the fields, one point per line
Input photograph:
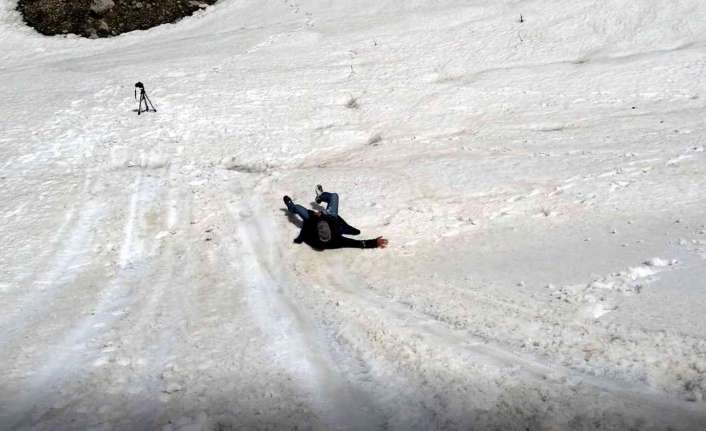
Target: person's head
x=324 y=231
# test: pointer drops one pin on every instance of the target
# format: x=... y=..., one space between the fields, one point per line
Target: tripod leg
x=139 y=107
x=148 y=100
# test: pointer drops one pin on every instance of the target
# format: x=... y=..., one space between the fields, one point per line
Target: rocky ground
x=104 y=18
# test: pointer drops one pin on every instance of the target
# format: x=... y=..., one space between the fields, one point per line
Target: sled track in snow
x=421 y=358
x=298 y=344
x=61 y=269
x=414 y=355
x=62 y=362
x=418 y=326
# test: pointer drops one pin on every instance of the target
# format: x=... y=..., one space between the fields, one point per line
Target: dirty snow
x=541 y=183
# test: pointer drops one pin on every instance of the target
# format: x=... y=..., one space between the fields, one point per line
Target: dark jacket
x=322 y=231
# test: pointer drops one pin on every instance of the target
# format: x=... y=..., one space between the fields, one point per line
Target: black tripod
x=143 y=98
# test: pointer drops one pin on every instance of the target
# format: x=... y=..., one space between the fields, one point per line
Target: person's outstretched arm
x=344 y=242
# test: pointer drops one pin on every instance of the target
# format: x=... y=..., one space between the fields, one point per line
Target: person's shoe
x=319 y=190
x=287 y=200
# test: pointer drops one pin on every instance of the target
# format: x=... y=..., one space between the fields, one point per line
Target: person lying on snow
x=325 y=229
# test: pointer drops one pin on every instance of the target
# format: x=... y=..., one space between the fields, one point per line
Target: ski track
x=297 y=344
x=62 y=272
x=69 y=220
x=129 y=247
x=479 y=350
x=67 y=357
x=450 y=347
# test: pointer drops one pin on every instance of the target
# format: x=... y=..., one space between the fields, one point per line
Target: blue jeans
x=298 y=210
x=331 y=200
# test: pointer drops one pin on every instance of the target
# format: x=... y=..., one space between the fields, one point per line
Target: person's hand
x=381 y=242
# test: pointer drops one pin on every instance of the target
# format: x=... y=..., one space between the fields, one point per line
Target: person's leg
x=331 y=200
x=298 y=209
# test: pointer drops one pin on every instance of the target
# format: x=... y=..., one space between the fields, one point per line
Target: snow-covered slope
x=541 y=183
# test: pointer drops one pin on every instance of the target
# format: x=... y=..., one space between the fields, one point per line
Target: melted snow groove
x=65 y=360
x=63 y=270
x=298 y=346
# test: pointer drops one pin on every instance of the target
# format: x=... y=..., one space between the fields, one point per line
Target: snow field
x=541 y=184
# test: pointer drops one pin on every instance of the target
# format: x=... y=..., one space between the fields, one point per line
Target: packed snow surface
x=542 y=184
